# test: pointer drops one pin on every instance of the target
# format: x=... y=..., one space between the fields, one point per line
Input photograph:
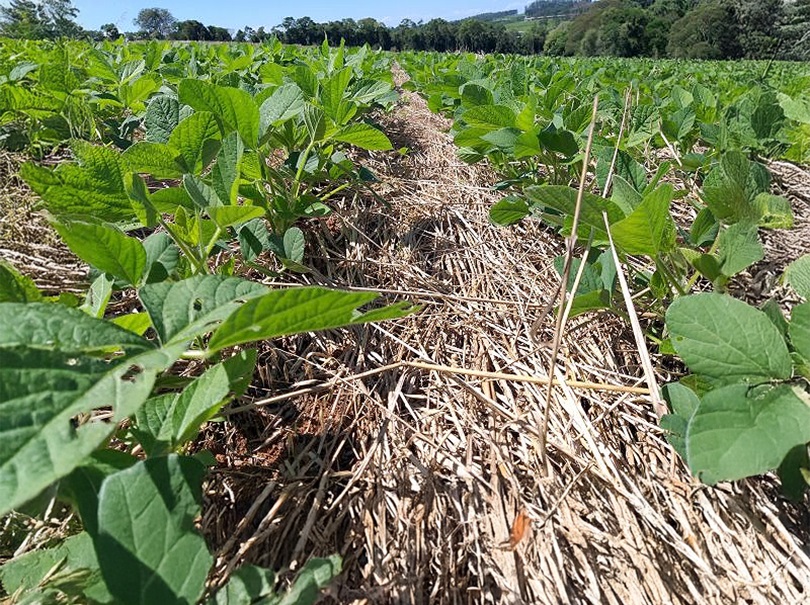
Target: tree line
x=697 y=29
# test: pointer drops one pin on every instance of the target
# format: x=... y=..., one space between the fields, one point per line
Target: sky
x=235 y=14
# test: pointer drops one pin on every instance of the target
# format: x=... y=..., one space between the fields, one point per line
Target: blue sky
x=235 y=14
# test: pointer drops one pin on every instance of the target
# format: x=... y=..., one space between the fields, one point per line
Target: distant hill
x=545 y=9
x=498 y=16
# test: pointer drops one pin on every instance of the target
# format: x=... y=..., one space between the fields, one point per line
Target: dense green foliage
x=681 y=185
x=697 y=29
x=226 y=149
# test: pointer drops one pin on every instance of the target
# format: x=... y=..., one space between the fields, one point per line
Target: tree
x=37 y=20
x=155 y=22
x=796 y=31
x=110 y=31
x=191 y=30
x=760 y=25
x=708 y=31
x=60 y=17
x=21 y=19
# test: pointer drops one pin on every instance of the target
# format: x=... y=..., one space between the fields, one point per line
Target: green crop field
x=186 y=179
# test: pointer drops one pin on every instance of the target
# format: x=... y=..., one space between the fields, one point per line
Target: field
x=280 y=324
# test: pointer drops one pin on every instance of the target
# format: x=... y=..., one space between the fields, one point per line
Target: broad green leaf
x=491 y=117
x=563 y=200
x=286 y=102
x=704 y=228
x=225 y=173
x=727 y=341
x=559 y=141
x=105 y=248
x=739 y=248
x=624 y=166
x=797 y=275
x=527 y=145
x=168 y=421
x=364 y=136
x=332 y=93
x=253 y=239
x=682 y=403
x=795 y=109
x=233 y=108
x=650 y=229
x=295 y=310
x=98 y=296
x=736 y=432
x=799 y=330
x=731 y=186
x=228 y=216
x=93 y=187
x=313 y=577
x=294 y=243
x=137 y=323
x=793 y=473
x=773 y=211
x=161 y=118
x=16 y=287
x=189 y=308
x=162 y=256
x=196 y=139
x=624 y=195
x=240 y=368
x=42 y=393
x=157 y=159
x=245 y=586
x=148 y=548
x=60 y=328
x=202 y=194
x=74 y=555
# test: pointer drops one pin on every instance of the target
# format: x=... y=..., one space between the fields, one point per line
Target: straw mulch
x=28 y=242
x=431 y=483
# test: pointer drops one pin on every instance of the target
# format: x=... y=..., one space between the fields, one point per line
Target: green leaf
x=240 y=368
x=727 y=341
x=161 y=118
x=98 y=296
x=797 y=275
x=799 y=330
x=731 y=186
x=682 y=402
x=363 y=136
x=202 y=194
x=162 y=256
x=16 y=287
x=294 y=243
x=559 y=141
x=75 y=554
x=650 y=229
x=196 y=139
x=95 y=186
x=563 y=201
x=739 y=248
x=773 y=211
x=704 y=228
x=296 y=310
x=233 y=108
x=189 y=308
x=491 y=117
x=508 y=211
x=171 y=420
x=793 y=473
x=105 y=248
x=253 y=239
x=245 y=586
x=286 y=102
x=228 y=216
x=148 y=548
x=60 y=328
x=42 y=393
x=225 y=173
x=736 y=432
x=313 y=577
x=332 y=93
x=156 y=159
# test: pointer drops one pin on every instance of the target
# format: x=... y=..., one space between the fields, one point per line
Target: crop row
x=679 y=154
